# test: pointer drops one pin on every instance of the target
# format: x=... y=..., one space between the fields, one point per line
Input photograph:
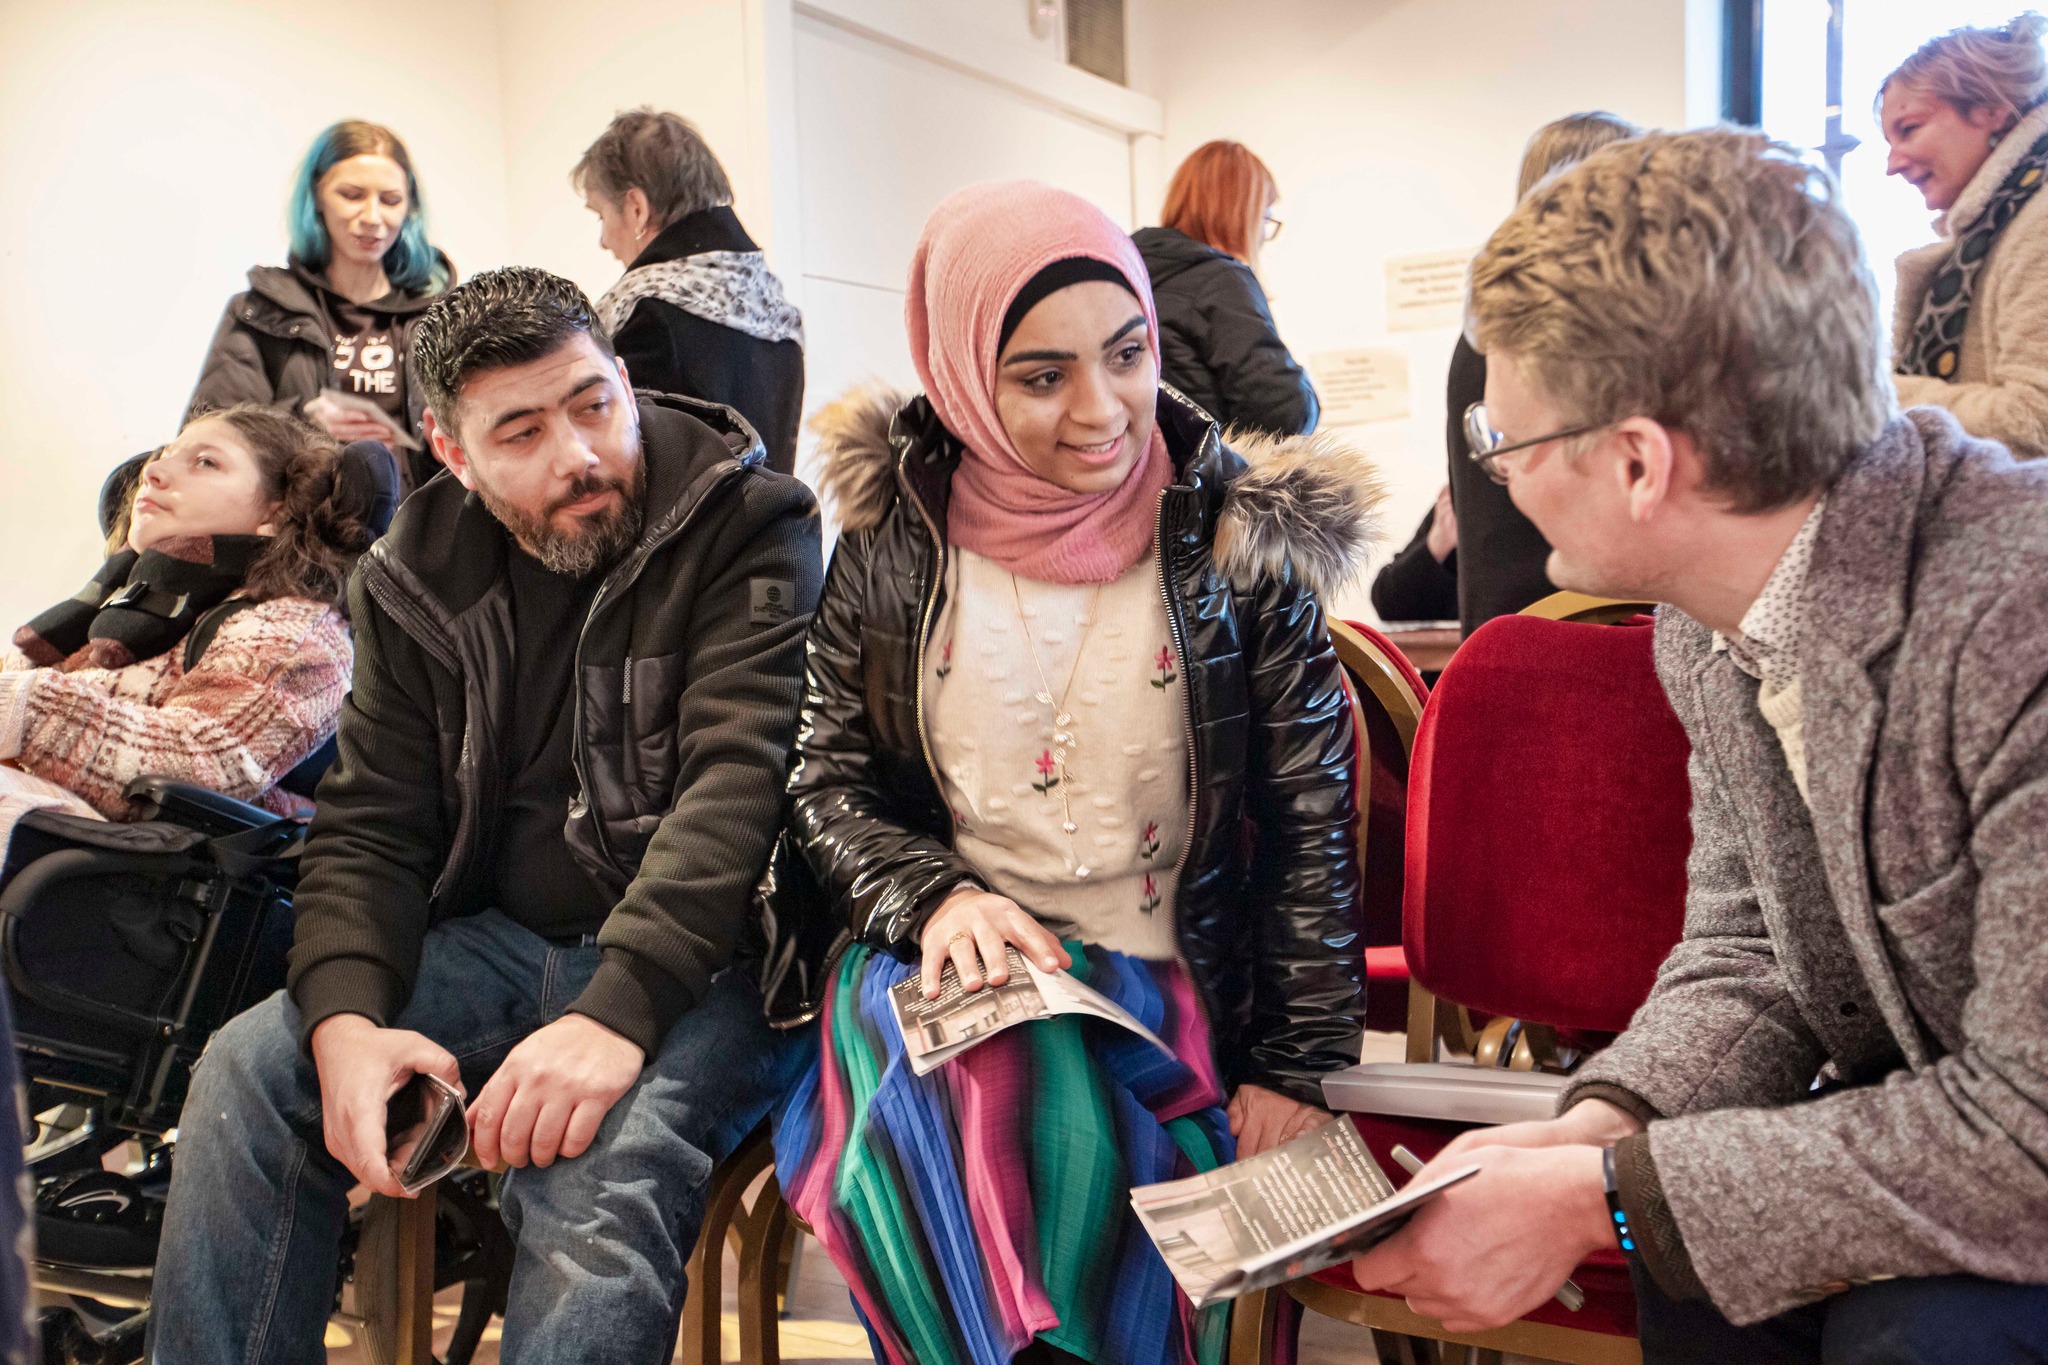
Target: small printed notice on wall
x=1365 y=385
x=1426 y=291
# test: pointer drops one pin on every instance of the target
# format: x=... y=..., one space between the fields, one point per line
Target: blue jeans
x=1932 y=1321
x=252 y=1236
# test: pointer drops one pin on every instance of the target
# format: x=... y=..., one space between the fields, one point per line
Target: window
x=1821 y=62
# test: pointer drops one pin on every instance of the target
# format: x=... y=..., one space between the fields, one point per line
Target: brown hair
x=1219 y=196
x=1573 y=138
x=1710 y=281
x=1980 y=68
x=660 y=154
x=324 y=506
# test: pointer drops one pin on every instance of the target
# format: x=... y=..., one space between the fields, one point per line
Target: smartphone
x=426 y=1131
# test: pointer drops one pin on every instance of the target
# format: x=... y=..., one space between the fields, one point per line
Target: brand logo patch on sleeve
x=771 y=601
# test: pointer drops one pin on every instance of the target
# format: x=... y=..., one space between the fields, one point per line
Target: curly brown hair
x=325 y=506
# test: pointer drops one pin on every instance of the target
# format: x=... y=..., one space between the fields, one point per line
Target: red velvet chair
x=1546 y=842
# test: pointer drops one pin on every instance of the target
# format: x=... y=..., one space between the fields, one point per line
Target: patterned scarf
x=1936 y=344
x=734 y=289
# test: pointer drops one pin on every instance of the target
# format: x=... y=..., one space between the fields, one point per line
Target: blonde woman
x=1968 y=128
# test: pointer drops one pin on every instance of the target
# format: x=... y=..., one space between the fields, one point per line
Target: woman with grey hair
x=698 y=312
x=1967 y=120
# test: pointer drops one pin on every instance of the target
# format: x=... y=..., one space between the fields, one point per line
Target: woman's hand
x=971 y=927
x=345 y=424
x=1262 y=1119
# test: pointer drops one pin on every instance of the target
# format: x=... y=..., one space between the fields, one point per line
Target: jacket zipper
x=621 y=580
x=931 y=601
x=1187 y=693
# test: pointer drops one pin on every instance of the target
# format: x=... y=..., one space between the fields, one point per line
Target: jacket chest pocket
x=1928 y=936
x=630 y=718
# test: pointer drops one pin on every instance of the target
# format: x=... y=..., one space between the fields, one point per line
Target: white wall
x=1396 y=127
x=145 y=154
x=567 y=69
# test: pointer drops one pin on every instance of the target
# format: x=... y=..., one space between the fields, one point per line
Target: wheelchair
x=125 y=946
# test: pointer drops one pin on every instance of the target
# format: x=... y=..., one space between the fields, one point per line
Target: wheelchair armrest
x=194 y=807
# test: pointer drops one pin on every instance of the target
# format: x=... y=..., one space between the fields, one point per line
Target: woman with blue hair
x=326 y=336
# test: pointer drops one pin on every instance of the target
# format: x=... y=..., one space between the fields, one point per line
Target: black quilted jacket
x=1268 y=912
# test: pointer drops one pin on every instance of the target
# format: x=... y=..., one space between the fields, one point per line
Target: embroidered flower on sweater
x=1046 y=779
x=1149 y=895
x=1162 y=662
x=1148 y=842
x=946 y=660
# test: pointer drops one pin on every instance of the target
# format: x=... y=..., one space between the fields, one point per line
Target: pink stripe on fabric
x=812 y=1195
x=988 y=1085
x=1188 y=1036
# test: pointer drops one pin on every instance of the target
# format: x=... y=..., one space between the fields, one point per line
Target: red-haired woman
x=1216 y=334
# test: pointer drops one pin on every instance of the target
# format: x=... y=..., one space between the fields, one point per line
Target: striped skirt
x=988 y=1202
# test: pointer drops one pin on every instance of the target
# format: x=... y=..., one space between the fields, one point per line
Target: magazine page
x=936 y=1031
x=1305 y=1205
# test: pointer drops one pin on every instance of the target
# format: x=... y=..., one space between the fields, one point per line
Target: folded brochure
x=1297 y=1209
x=936 y=1031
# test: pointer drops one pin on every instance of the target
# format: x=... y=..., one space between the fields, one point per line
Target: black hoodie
x=1217 y=342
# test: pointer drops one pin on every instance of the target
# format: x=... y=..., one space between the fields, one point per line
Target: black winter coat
x=669 y=350
x=275 y=346
x=1502 y=557
x=1268 y=910
x=687 y=680
x=1217 y=341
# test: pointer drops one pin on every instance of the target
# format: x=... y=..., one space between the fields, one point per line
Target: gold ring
x=957 y=937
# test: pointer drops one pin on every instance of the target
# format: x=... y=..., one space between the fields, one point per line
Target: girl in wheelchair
x=211 y=646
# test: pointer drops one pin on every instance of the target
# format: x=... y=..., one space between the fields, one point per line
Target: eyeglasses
x=1270 y=228
x=1487 y=445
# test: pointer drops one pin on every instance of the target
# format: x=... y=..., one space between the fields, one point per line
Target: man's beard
x=594 y=542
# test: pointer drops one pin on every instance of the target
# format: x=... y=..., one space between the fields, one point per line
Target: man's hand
x=1489 y=1249
x=552 y=1092
x=361 y=1067
x=1592 y=1123
x=1262 y=1119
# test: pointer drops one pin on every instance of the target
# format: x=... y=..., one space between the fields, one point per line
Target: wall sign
x=1427 y=291
x=1365 y=385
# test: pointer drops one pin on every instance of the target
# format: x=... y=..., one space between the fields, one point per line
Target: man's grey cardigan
x=1892 y=943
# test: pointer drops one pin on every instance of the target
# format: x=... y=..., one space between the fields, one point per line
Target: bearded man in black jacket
x=579 y=659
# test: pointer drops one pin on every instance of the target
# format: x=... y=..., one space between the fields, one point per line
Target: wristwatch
x=1623 y=1233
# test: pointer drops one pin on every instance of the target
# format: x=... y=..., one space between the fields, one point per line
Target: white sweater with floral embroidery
x=1016 y=776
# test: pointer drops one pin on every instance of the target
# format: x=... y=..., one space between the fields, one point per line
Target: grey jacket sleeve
x=1720 y=1027
x=1934 y=1171
x=1258 y=385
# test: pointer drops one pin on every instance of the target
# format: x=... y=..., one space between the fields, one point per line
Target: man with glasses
x=1825 y=1135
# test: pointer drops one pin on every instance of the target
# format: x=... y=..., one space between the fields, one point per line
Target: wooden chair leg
x=1254 y=1327
x=701 y=1339
x=416 y=1278
x=764 y=1233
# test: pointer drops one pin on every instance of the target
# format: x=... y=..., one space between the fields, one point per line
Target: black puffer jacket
x=1268 y=910
x=1217 y=341
x=275 y=346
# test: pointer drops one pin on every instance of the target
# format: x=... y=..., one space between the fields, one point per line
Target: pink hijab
x=979 y=249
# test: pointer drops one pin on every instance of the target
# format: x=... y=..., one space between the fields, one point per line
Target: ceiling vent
x=1095 y=37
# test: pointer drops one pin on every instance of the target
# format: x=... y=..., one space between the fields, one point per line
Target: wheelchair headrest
x=368 y=469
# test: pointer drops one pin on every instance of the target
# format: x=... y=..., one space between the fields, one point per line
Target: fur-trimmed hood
x=1309 y=502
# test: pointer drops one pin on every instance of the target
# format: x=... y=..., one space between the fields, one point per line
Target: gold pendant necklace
x=1062 y=718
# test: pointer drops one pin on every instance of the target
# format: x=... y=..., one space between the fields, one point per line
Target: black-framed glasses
x=1270 y=227
x=1487 y=445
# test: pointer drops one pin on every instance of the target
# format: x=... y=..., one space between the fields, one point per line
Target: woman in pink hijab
x=1071 y=707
